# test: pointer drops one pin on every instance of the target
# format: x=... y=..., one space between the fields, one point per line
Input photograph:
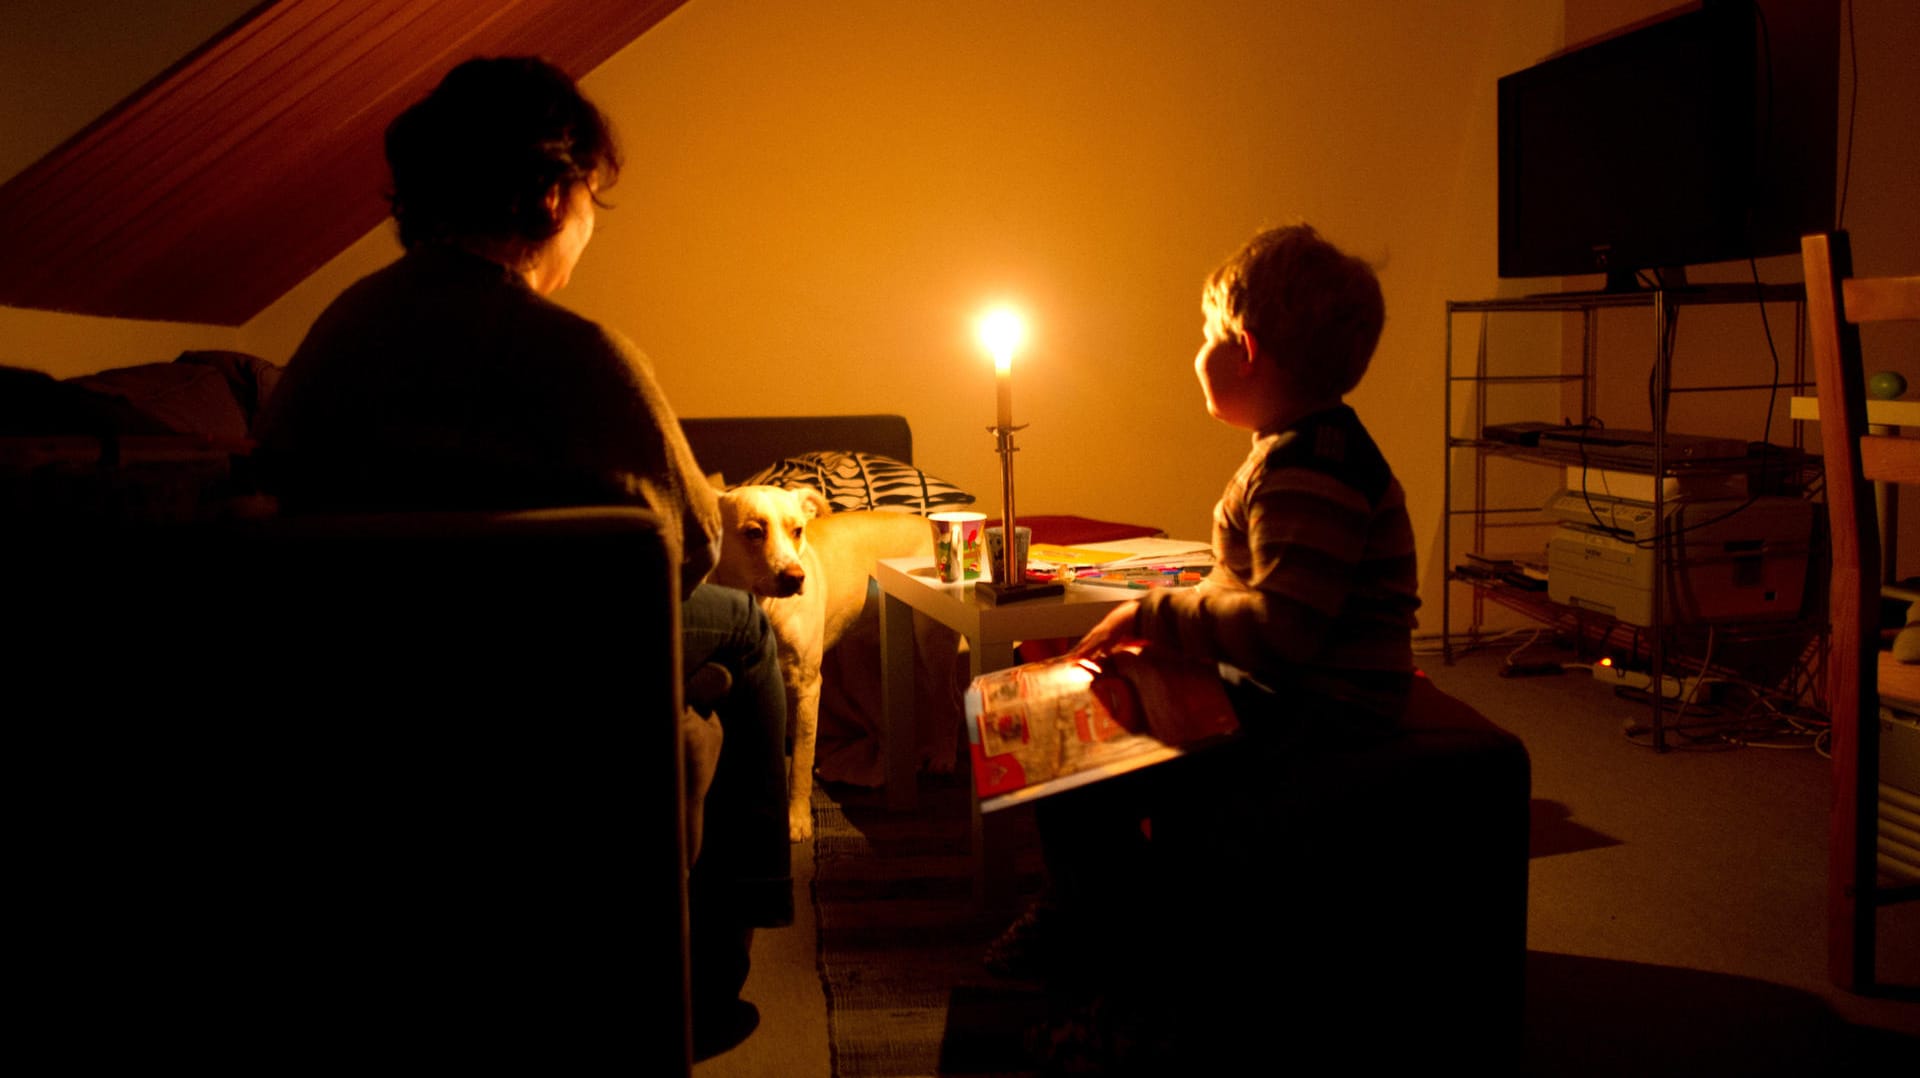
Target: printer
x=1728 y=559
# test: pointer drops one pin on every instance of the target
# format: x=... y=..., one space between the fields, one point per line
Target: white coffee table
x=910 y=584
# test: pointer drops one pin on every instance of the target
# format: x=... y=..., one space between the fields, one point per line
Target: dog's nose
x=790 y=582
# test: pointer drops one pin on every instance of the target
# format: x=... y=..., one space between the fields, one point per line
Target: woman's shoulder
x=493 y=300
x=587 y=340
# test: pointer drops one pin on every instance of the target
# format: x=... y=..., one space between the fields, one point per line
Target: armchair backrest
x=400 y=786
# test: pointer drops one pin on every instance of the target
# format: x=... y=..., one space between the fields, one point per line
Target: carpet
x=901 y=939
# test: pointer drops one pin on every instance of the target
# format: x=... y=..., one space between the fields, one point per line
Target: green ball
x=1886 y=386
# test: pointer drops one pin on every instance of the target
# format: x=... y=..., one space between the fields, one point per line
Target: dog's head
x=763 y=535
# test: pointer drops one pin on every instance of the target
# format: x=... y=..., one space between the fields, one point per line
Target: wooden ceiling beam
x=214 y=189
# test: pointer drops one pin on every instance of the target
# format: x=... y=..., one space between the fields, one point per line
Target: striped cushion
x=853 y=481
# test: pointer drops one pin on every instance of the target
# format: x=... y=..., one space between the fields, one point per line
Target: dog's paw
x=800 y=823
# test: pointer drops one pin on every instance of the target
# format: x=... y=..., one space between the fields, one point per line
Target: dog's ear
x=814 y=502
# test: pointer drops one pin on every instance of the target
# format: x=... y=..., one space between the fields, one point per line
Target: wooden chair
x=1859 y=673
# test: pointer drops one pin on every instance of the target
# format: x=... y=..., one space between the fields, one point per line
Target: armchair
x=395 y=791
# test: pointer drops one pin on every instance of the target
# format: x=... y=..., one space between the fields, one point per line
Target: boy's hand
x=1114 y=630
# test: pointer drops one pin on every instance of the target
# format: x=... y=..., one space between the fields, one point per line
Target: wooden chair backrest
x=1837 y=303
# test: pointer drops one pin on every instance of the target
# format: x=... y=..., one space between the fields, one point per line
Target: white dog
x=809 y=568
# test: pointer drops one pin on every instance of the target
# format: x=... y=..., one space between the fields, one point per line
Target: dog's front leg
x=803 y=714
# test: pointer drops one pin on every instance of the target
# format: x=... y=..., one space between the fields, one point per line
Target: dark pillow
x=209 y=393
x=855 y=481
x=184 y=398
x=251 y=378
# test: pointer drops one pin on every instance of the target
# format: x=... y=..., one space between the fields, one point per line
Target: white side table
x=912 y=584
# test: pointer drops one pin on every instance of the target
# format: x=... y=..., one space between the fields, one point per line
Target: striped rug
x=900 y=940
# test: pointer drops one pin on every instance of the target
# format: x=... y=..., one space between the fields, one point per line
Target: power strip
x=1690 y=689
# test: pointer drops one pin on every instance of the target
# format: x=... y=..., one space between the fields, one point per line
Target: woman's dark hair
x=476 y=158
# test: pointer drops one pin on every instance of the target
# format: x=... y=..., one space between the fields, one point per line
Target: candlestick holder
x=1010 y=584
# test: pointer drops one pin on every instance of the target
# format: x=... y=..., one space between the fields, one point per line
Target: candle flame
x=1002 y=330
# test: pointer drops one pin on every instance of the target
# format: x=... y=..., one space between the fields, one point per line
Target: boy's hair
x=475 y=159
x=1317 y=310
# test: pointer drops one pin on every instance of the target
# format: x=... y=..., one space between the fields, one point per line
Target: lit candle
x=1002 y=330
x=1003 y=377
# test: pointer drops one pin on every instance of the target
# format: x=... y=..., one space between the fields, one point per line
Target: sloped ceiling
x=227 y=180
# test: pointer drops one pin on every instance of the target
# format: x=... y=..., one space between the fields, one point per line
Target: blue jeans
x=745 y=871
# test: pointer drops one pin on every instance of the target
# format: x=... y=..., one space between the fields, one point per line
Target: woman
x=448 y=380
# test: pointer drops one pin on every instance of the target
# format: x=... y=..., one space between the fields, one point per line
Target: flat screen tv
x=1704 y=135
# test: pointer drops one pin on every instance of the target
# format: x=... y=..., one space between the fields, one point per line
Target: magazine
x=1120 y=552
x=1142 y=577
x=1044 y=727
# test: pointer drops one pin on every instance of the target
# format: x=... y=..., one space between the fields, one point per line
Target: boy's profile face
x=1225 y=370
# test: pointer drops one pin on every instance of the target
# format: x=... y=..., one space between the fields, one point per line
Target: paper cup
x=996 y=545
x=956 y=545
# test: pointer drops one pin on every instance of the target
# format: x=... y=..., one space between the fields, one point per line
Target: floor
x=1676 y=901
x=784 y=983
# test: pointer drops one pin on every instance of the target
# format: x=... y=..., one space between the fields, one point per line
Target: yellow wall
x=819 y=197
x=66 y=345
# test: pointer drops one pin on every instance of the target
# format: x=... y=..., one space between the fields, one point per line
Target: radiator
x=1899 y=834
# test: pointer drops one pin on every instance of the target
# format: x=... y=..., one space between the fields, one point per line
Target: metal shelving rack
x=1663 y=303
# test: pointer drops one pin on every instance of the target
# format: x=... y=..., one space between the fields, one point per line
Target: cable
x=1470 y=645
x=1773 y=349
x=1772 y=717
x=1659 y=398
x=1706 y=663
x=1853 y=110
x=1660 y=532
x=1530 y=641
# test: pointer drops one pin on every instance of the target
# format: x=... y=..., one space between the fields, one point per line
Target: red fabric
x=1069 y=530
x=1033 y=651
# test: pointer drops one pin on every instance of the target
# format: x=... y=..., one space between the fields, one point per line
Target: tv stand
x=1486 y=522
x=1666 y=279
x=1627 y=283
x=1625 y=280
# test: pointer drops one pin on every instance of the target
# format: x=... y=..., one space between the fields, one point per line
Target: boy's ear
x=1252 y=347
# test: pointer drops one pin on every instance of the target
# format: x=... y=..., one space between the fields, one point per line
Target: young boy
x=1314 y=588
x=1309 y=608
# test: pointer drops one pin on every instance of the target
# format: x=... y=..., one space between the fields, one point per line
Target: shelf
x=1566 y=457
x=1504 y=379
x=1466 y=497
x=1884 y=413
x=1691 y=295
x=1616 y=635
